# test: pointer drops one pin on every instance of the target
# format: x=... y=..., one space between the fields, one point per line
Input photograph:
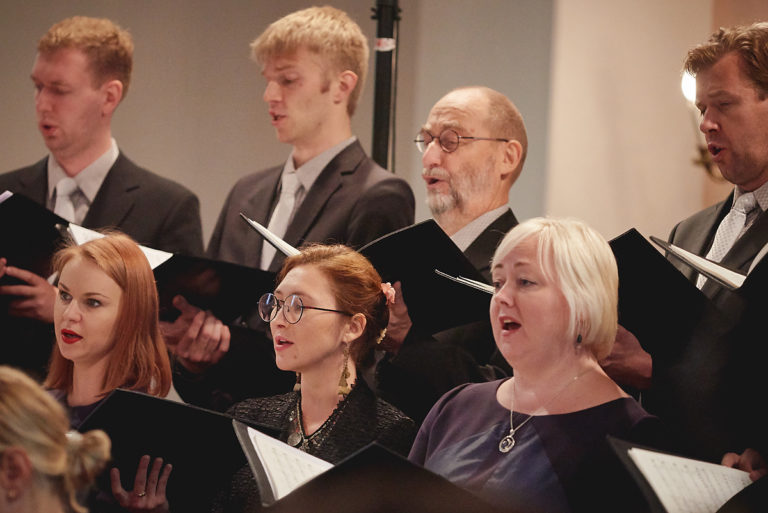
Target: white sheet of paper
x=82 y=235
x=5 y=195
x=287 y=467
x=689 y=486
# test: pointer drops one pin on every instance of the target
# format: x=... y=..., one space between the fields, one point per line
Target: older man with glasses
x=474 y=144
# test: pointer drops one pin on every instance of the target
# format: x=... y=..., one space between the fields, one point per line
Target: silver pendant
x=294 y=439
x=507 y=443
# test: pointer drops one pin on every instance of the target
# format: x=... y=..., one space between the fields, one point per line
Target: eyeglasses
x=449 y=140
x=293 y=307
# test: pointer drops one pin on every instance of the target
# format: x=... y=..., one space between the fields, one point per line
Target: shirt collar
x=88 y=180
x=471 y=231
x=308 y=172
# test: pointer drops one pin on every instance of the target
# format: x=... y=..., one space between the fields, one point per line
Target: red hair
x=356 y=286
x=138 y=359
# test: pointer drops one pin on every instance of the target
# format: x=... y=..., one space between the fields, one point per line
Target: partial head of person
x=556 y=293
x=314 y=61
x=731 y=71
x=81 y=73
x=474 y=145
x=42 y=463
x=106 y=318
x=328 y=303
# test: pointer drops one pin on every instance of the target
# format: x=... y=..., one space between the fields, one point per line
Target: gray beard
x=441 y=203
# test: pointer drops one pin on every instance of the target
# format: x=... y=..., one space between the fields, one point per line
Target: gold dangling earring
x=297 y=386
x=344 y=388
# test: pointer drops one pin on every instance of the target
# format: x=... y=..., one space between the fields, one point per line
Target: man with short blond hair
x=314 y=62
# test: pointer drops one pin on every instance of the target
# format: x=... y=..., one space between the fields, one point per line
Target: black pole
x=387 y=13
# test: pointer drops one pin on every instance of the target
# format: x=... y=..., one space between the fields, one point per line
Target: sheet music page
x=287 y=467
x=733 y=279
x=689 y=486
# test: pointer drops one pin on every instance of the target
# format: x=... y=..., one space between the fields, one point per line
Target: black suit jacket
x=426 y=367
x=705 y=388
x=352 y=202
x=153 y=210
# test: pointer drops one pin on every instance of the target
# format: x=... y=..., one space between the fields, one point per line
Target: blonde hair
x=138 y=359
x=108 y=47
x=581 y=263
x=326 y=31
x=32 y=420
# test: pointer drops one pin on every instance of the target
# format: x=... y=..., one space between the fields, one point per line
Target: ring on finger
x=141 y=494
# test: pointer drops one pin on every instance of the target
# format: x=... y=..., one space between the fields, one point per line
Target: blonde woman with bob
x=537 y=441
x=42 y=465
x=107 y=337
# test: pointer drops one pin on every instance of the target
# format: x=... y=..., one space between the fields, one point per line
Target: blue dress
x=560 y=463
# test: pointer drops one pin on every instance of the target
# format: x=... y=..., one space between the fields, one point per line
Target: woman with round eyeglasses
x=326 y=315
x=536 y=442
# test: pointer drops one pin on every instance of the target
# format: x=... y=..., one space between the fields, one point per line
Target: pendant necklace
x=508 y=442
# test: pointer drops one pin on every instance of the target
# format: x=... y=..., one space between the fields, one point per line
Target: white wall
x=621 y=137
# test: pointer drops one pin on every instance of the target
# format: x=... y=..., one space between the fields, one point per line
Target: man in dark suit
x=342 y=195
x=716 y=375
x=81 y=74
x=314 y=62
x=474 y=144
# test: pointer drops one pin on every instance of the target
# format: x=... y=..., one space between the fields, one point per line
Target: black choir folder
x=29 y=235
x=200 y=444
x=412 y=255
x=206 y=448
x=657 y=303
x=373 y=479
x=420 y=256
x=675 y=484
x=228 y=290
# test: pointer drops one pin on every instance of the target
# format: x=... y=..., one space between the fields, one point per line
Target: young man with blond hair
x=314 y=62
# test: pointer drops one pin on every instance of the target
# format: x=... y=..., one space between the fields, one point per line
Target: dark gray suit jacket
x=707 y=389
x=155 y=211
x=352 y=202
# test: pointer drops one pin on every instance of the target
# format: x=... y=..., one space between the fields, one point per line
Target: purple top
x=560 y=463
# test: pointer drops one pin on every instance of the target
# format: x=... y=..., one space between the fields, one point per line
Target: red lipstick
x=69 y=336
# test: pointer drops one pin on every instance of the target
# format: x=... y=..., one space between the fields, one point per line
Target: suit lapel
x=115 y=198
x=329 y=181
x=259 y=208
x=482 y=248
x=34 y=185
